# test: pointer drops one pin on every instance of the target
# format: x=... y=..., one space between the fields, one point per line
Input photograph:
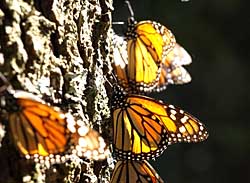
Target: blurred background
x=216 y=34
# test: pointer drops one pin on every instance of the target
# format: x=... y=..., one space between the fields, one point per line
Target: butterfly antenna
x=113 y=77
x=118 y=23
x=110 y=84
x=131 y=19
x=131 y=14
x=130 y=9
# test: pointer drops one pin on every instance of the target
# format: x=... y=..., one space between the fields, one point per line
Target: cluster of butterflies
x=147 y=59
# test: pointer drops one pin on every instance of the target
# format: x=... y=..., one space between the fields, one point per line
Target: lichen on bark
x=60 y=51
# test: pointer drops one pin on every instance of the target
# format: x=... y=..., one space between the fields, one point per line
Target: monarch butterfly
x=128 y=171
x=147 y=44
x=172 y=71
x=144 y=127
x=36 y=128
x=40 y=131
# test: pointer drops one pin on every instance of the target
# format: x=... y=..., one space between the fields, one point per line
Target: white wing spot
x=179 y=135
x=172 y=134
x=173 y=112
x=182 y=129
x=172 y=117
x=171 y=106
x=184 y=119
x=201 y=128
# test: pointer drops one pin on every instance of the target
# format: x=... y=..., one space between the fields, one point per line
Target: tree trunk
x=60 y=51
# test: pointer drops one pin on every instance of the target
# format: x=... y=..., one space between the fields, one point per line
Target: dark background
x=216 y=34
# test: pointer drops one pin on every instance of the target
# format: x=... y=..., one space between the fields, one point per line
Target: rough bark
x=60 y=51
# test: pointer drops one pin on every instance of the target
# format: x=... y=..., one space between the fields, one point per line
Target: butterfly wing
x=38 y=129
x=138 y=66
x=172 y=71
x=143 y=127
x=180 y=125
x=134 y=171
x=157 y=40
x=146 y=50
x=41 y=131
x=137 y=133
x=178 y=56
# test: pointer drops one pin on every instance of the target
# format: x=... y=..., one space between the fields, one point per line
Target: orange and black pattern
x=144 y=127
x=36 y=128
x=41 y=132
x=128 y=171
x=138 y=66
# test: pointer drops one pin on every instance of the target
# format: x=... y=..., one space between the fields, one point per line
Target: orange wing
x=41 y=131
x=172 y=71
x=137 y=134
x=38 y=129
x=143 y=127
x=138 y=67
x=133 y=172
